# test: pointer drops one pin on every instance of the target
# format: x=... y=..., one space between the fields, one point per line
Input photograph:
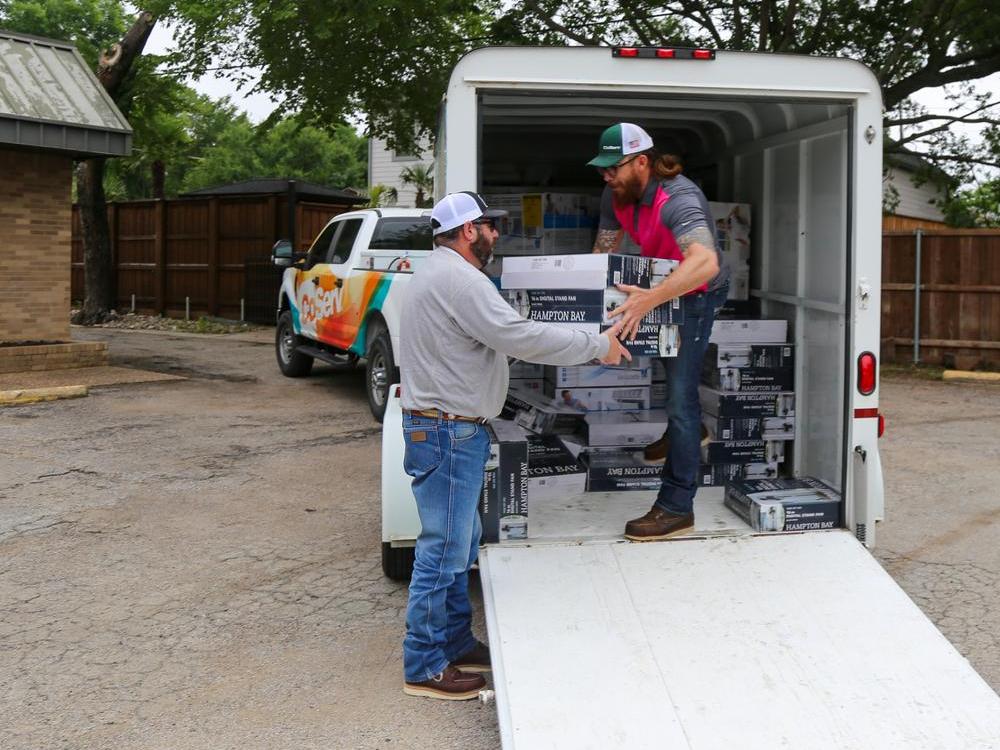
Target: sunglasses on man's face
x=613 y=170
x=491 y=223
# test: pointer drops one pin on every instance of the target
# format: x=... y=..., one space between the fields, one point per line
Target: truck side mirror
x=282 y=253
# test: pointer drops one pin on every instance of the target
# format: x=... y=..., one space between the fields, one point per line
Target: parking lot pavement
x=195 y=563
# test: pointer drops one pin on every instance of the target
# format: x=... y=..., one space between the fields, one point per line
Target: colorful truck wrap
x=341 y=301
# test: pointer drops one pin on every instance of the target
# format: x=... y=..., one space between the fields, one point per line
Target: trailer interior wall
x=788 y=159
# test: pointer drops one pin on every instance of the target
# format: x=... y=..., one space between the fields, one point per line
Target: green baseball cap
x=619 y=141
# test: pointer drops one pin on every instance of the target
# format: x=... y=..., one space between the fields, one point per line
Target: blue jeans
x=679 y=480
x=446 y=460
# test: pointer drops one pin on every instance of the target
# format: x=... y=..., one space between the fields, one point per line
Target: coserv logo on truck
x=316 y=302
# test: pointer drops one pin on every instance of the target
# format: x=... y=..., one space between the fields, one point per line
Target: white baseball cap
x=457 y=208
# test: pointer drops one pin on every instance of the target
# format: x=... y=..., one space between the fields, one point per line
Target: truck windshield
x=402 y=233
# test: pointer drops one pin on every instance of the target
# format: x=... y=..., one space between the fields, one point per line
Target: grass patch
x=893 y=370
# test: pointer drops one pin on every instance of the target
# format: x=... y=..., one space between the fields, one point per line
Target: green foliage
x=421 y=177
x=975 y=207
x=380 y=196
x=291 y=148
x=390 y=58
x=91 y=25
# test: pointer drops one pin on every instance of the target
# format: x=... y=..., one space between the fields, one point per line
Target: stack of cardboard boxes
x=546 y=223
x=747 y=399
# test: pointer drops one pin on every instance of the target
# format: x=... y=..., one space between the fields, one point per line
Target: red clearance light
x=702 y=54
x=881 y=425
x=866 y=374
x=628 y=52
x=665 y=53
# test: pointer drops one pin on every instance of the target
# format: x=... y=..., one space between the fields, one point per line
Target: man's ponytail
x=666 y=166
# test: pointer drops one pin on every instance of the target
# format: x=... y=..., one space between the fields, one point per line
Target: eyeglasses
x=491 y=223
x=613 y=170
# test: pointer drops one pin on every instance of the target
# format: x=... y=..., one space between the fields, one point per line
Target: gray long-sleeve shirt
x=457 y=331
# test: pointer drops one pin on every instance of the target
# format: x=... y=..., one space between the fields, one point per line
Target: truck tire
x=397 y=562
x=380 y=372
x=292 y=363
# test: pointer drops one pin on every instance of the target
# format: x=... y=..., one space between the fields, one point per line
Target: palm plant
x=380 y=196
x=421 y=176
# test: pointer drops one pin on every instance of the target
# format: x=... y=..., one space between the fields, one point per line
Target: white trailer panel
x=799 y=641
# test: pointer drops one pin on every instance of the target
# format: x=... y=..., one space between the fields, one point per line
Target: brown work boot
x=658 y=524
x=451 y=685
x=476 y=660
x=656 y=452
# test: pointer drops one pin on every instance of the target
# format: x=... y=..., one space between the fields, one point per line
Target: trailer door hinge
x=862 y=453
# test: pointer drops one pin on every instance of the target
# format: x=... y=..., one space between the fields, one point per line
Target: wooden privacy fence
x=941 y=297
x=171 y=253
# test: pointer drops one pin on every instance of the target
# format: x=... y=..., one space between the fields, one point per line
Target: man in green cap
x=667 y=215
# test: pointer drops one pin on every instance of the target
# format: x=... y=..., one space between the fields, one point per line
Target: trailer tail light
x=881 y=425
x=664 y=53
x=866 y=373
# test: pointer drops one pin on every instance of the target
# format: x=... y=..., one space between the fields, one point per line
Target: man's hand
x=639 y=304
x=615 y=349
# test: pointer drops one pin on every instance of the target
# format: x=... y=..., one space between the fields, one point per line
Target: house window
x=404 y=157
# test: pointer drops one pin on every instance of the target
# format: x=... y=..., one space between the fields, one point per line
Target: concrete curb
x=35 y=395
x=971 y=376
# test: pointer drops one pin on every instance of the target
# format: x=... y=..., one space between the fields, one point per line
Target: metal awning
x=50 y=100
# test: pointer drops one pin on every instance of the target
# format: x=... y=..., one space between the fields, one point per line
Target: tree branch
x=810 y=45
x=554 y=25
x=765 y=24
x=926 y=78
x=788 y=33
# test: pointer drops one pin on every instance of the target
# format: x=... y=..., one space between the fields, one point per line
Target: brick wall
x=35 y=204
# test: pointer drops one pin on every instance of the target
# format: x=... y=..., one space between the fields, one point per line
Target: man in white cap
x=455 y=336
x=667 y=215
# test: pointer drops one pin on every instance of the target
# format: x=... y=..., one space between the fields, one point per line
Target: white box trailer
x=723 y=638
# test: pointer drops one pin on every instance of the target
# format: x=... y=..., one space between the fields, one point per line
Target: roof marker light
x=702 y=54
x=628 y=52
x=665 y=53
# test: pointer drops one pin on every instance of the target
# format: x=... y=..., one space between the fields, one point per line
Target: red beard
x=628 y=193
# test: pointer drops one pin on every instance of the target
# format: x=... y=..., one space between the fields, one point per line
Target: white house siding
x=384 y=167
x=914 y=201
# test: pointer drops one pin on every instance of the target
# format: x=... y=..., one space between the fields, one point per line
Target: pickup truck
x=340 y=301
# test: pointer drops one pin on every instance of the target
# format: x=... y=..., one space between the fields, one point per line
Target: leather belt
x=438 y=414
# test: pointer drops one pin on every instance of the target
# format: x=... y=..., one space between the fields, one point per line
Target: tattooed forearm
x=607 y=240
x=699 y=235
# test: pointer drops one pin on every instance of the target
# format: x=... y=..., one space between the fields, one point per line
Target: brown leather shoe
x=658 y=524
x=451 y=685
x=476 y=660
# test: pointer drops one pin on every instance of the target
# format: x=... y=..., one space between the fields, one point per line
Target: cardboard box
x=658 y=395
x=654 y=341
x=587 y=306
x=599 y=376
x=749 y=331
x=537 y=413
x=732 y=227
x=784 y=504
x=739 y=284
x=519 y=369
x=751 y=355
x=588 y=271
x=749 y=428
x=748 y=379
x=620 y=471
x=620 y=429
x=617 y=398
x=733 y=309
x=553 y=471
x=717 y=475
x=743 y=452
x=757 y=404
x=503 y=505
x=528 y=384
x=659 y=371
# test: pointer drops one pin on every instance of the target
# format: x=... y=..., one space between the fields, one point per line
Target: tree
x=290 y=148
x=348 y=57
x=422 y=178
x=381 y=195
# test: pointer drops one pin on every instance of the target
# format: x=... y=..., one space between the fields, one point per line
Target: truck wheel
x=292 y=363
x=380 y=372
x=397 y=562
